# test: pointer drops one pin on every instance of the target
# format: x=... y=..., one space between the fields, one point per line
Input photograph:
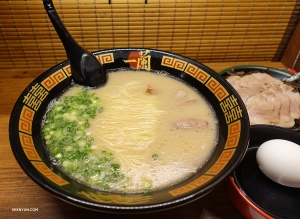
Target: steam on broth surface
x=156 y=131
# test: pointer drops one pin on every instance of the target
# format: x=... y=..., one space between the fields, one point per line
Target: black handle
x=67 y=40
x=85 y=67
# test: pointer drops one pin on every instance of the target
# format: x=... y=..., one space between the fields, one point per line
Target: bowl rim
x=111 y=207
x=256 y=67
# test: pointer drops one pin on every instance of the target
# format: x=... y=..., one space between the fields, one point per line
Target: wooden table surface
x=17 y=190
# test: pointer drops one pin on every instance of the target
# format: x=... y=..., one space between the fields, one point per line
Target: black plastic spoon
x=86 y=69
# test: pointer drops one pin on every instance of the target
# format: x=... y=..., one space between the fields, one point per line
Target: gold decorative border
x=54 y=79
x=193 y=185
x=173 y=63
x=25 y=121
x=67 y=70
x=106 y=58
x=27 y=113
x=197 y=73
x=44 y=170
x=115 y=198
x=217 y=89
x=32 y=155
x=28 y=147
x=32 y=101
x=212 y=84
x=221 y=162
x=234 y=132
x=232 y=113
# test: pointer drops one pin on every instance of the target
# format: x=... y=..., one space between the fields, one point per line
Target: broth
x=154 y=129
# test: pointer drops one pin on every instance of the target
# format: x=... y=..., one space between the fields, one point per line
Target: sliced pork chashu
x=267 y=99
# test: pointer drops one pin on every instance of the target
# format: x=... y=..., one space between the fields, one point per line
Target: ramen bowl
x=25 y=132
x=252 y=192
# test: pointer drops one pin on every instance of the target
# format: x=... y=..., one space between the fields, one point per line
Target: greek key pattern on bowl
x=221 y=162
x=43 y=169
x=25 y=122
x=217 y=89
x=54 y=79
x=67 y=70
x=232 y=114
x=28 y=147
x=115 y=198
x=105 y=58
x=173 y=63
x=32 y=101
x=197 y=73
x=233 y=137
x=193 y=185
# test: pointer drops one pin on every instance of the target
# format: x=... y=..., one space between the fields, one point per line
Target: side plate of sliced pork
x=268 y=99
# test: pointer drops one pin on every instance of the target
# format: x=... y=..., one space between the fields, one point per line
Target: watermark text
x=24 y=209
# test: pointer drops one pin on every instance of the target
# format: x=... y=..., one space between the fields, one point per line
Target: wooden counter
x=19 y=191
